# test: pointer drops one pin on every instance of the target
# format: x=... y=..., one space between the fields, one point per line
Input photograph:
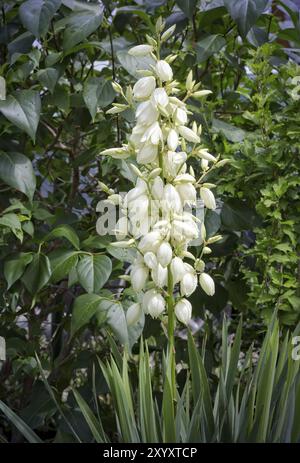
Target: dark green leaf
x=245 y=12
x=237 y=215
x=97 y=92
x=64 y=231
x=15 y=267
x=23 y=109
x=188 y=7
x=16 y=171
x=85 y=307
x=229 y=131
x=93 y=272
x=80 y=24
x=37 y=273
x=48 y=78
x=37 y=14
x=20 y=424
x=209 y=46
x=62 y=262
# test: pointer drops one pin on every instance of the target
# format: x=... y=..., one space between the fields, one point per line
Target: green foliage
x=253 y=401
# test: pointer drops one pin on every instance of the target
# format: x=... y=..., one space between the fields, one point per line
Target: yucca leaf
x=24 y=429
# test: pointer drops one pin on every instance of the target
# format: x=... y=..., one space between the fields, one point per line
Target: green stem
x=171 y=329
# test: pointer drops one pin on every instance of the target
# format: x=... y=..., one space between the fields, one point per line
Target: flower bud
x=199 y=265
x=207 y=284
x=168 y=33
x=133 y=314
x=188 y=134
x=164 y=254
x=144 y=87
x=140 y=50
x=207 y=250
x=172 y=140
x=153 y=303
x=183 y=311
x=201 y=93
x=164 y=71
x=208 y=198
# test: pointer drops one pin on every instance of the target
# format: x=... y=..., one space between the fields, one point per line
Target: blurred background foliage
x=60 y=295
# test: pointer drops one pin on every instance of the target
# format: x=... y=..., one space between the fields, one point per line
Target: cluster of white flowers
x=161 y=143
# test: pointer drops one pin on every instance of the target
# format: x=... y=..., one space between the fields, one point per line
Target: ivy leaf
x=23 y=109
x=36 y=15
x=15 y=267
x=37 y=274
x=208 y=46
x=188 y=7
x=97 y=92
x=64 y=231
x=82 y=23
x=16 y=171
x=245 y=12
x=93 y=272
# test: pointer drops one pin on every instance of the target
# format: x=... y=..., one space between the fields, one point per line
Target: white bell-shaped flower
x=188 y=283
x=147 y=154
x=164 y=71
x=153 y=303
x=138 y=276
x=177 y=269
x=153 y=134
x=150 y=260
x=133 y=314
x=187 y=193
x=164 y=254
x=157 y=188
x=150 y=242
x=160 y=97
x=146 y=113
x=174 y=162
x=180 y=116
x=160 y=276
x=183 y=311
x=171 y=199
x=144 y=87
